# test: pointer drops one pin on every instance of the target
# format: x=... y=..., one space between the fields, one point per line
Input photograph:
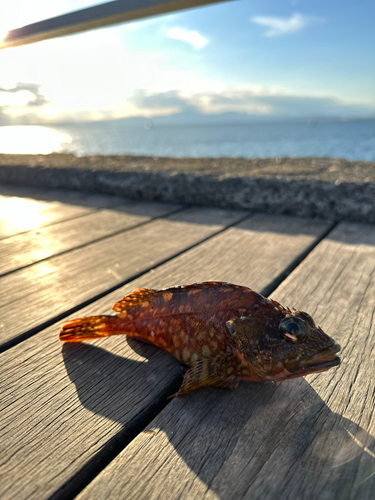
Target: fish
x=222 y=332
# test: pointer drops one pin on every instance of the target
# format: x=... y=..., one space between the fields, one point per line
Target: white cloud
x=262 y=103
x=90 y=76
x=283 y=25
x=15 y=99
x=195 y=39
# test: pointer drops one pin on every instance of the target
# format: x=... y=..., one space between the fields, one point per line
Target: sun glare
x=29 y=139
x=3 y=34
x=19 y=214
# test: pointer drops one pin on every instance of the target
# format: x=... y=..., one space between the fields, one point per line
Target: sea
x=351 y=140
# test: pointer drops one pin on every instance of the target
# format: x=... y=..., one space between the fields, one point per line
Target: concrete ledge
x=325 y=188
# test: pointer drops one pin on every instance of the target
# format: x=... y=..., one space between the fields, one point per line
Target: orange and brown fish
x=225 y=333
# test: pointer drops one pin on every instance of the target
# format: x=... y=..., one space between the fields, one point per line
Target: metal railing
x=97 y=16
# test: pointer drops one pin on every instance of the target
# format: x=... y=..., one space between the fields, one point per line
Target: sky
x=270 y=59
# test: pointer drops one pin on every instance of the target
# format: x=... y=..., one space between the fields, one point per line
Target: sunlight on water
x=31 y=139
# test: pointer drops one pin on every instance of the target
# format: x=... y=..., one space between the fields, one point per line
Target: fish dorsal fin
x=142 y=295
x=282 y=309
x=135 y=298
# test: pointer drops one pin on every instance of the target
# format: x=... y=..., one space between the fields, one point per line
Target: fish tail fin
x=90 y=328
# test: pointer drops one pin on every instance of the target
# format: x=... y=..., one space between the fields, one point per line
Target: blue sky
x=270 y=58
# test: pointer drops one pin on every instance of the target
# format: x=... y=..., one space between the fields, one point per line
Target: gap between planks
x=309 y=438
x=24 y=212
x=68 y=282
x=64 y=423
x=25 y=249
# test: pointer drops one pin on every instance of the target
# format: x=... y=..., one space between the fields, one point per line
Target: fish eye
x=293 y=329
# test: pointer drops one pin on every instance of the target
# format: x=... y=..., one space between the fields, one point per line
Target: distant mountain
x=196 y=118
x=187 y=118
x=191 y=118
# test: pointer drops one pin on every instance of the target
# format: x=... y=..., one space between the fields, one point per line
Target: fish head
x=279 y=344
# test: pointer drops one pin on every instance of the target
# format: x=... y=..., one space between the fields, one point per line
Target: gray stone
x=327 y=188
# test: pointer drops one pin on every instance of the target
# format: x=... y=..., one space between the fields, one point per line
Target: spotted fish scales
x=223 y=332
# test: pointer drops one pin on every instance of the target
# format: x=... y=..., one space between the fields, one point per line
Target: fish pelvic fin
x=209 y=372
x=90 y=328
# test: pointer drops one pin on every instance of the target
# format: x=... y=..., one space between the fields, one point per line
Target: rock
x=327 y=188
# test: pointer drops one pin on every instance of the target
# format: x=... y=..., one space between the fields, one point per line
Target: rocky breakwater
x=327 y=188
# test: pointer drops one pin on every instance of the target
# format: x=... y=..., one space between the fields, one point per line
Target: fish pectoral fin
x=209 y=372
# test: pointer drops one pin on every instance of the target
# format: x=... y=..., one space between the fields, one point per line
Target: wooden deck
x=93 y=421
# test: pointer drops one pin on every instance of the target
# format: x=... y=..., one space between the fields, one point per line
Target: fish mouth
x=321 y=361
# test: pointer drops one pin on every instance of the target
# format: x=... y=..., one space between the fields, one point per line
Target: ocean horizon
x=351 y=140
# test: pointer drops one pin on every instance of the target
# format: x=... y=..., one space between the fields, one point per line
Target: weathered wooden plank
x=310 y=438
x=18 y=215
x=10 y=190
x=44 y=291
x=79 y=198
x=27 y=248
x=62 y=195
x=64 y=408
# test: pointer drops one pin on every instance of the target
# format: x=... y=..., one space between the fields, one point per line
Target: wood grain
x=63 y=196
x=33 y=246
x=11 y=190
x=20 y=214
x=309 y=438
x=64 y=408
x=25 y=208
x=37 y=294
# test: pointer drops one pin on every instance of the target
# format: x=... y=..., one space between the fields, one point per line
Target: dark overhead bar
x=98 y=16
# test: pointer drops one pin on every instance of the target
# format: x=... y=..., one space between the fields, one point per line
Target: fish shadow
x=272 y=441
x=264 y=440
x=117 y=387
